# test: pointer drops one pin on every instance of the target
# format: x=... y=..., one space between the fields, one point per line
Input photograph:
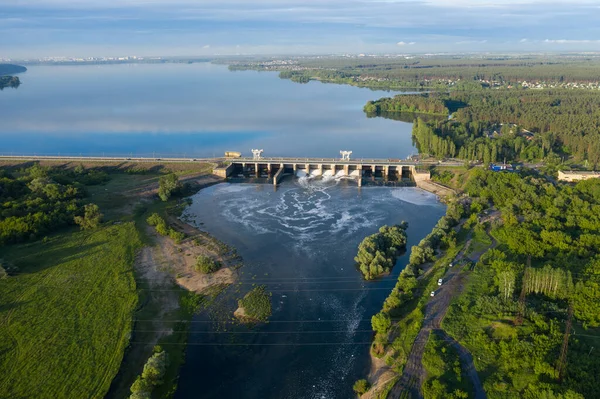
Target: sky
x=83 y=28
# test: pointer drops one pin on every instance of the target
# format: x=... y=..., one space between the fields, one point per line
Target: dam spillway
x=274 y=169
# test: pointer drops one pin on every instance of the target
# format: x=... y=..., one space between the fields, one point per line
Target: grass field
x=66 y=317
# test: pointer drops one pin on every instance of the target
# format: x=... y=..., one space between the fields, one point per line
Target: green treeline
x=492 y=126
x=426 y=104
x=9 y=81
x=38 y=200
x=377 y=253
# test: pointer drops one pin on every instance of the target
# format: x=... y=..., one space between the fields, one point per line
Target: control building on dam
x=361 y=170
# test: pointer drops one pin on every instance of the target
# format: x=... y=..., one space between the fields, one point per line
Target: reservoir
x=189 y=110
x=299 y=241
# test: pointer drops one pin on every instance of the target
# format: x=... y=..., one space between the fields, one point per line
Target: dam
x=274 y=169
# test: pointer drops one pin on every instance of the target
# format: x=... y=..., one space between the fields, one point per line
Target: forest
x=426 y=72
x=38 y=200
x=538 y=279
x=426 y=104
x=493 y=125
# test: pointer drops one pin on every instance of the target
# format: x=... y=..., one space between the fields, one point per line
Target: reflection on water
x=300 y=241
x=190 y=110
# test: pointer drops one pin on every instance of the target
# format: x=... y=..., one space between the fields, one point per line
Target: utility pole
x=562 y=361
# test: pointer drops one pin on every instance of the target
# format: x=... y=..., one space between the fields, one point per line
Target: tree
x=361 y=386
x=3 y=273
x=381 y=323
x=206 y=265
x=91 y=218
x=168 y=185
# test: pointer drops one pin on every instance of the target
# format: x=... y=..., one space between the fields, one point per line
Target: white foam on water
x=414 y=196
x=231 y=188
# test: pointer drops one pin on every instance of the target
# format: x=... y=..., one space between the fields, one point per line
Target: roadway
x=298 y=160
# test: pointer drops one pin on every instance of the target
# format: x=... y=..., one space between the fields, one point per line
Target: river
x=189 y=110
x=299 y=241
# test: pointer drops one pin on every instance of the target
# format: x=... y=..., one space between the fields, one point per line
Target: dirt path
x=413 y=375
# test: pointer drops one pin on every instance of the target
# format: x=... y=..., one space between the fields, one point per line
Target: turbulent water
x=300 y=241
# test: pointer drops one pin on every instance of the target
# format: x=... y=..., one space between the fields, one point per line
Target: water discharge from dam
x=300 y=241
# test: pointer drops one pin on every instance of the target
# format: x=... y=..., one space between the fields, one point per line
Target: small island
x=255 y=306
x=377 y=253
x=9 y=81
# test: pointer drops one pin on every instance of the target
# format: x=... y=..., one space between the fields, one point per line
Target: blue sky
x=36 y=28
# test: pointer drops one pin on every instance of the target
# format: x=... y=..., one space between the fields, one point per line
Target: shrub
x=257 y=304
x=155 y=220
x=91 y=218
x=361 y=386
x=3 y=273
x=207 y=265
x=177 y=236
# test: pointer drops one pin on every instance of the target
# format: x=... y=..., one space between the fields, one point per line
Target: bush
x=177 y=236
x=381 y=323
x=91 y=218
x=207 y=265
x=361 y=386
x=3 y=273
x=257 y=304
x=155 y=220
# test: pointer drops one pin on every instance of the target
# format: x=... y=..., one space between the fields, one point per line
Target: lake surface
x=300 y=242
x=190 y=110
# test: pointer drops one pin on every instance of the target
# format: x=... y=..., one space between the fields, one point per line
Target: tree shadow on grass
x=10 y=306
x=35 y=259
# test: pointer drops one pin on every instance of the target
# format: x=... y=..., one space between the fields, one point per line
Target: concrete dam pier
x=362 y=171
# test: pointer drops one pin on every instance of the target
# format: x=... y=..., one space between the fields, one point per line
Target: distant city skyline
x=78 y=28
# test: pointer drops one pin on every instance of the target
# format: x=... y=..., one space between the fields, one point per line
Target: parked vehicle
x=432 y=293
x=440 y=281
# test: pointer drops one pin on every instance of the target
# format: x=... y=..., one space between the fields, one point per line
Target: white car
x=440 y=281
x=451 y=264
x=432 y=293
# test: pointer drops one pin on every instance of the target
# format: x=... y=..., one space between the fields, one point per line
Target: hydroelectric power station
x=275 y=168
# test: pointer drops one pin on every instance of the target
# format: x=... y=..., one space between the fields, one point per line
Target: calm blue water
x=189 y=110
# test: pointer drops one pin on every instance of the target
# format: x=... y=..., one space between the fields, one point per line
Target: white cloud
x=206 y=46
x=568 y=41
x=405 y=43
x=523 y=40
